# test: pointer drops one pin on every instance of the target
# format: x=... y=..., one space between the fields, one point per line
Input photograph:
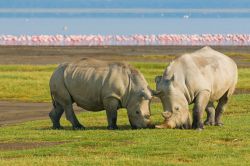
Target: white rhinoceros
x=98 y=85
x=201 y=77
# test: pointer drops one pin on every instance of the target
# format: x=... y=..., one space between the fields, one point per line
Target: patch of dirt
x=241 y=91
x=59 y=54
x=26 y=145
x=232 y=142
x=16 y=112
x=184 y=160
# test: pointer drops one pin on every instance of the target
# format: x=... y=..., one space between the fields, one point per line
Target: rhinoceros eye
x=176 y=108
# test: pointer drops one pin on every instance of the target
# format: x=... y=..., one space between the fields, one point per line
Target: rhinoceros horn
x=165 y=126
x=166 y=114
x=166 y=123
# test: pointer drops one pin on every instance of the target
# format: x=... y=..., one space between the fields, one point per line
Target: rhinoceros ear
x=154 y=92
x=158 y=79
x=172 y=78
x=169 y=78
x=146 y=95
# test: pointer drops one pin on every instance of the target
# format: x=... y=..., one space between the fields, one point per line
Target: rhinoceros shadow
x=120 y=127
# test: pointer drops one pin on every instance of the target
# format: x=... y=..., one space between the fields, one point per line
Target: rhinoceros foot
x=219 y=124
x=199 y=129
x=209 y=123
x=57 y=127
x=197 y=126
x=78 y=127
x=112 y=127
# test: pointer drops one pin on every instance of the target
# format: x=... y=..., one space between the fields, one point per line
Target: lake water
x=123 y=26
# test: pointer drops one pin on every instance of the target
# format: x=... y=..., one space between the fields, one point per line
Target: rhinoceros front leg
x=111 y=106
x=70 y=115
x=200 y=104
x=210 y=114
x=220 y=109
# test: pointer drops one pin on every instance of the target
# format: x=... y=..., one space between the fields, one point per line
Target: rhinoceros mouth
x=148 y=124
x=171 y=126
x=173 y=120
x=170 y=123
x=167 y=124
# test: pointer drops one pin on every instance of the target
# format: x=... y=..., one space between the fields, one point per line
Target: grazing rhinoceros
x=201 y=77
x=98 y=85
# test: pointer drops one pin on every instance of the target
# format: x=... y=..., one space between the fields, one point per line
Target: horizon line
x=124 y=10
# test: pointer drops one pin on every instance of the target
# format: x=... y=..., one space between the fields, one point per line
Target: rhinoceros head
x=139 y=109
x=174 y=103
x=138 y=105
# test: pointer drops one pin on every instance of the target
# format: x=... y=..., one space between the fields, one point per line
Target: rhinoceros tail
x=53 y=100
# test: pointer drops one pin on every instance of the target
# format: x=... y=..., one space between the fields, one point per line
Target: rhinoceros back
x=205 y=69
x=218 y=70
x=89 y=81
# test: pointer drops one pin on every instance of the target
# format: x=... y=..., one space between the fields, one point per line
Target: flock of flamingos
x=137 y=39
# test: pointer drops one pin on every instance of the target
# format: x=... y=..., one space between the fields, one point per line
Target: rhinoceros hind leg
x=70 y=115
x=111 y=106
x=220 y=109
x=210 y=114
x=55 y=116
x=200 y=104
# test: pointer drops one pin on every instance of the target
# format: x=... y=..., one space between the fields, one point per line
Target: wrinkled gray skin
x=202 y=77
x=98 y=85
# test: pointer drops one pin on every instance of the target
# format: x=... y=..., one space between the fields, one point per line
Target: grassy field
x=227 y=145
x=30 y=83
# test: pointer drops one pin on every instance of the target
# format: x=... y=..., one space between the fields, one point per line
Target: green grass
x=227 y=145
x=244 y=78
x=30 y=83
x=25 y=82
x=243 y=55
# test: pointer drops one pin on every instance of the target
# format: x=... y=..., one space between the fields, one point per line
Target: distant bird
x=65 y=28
